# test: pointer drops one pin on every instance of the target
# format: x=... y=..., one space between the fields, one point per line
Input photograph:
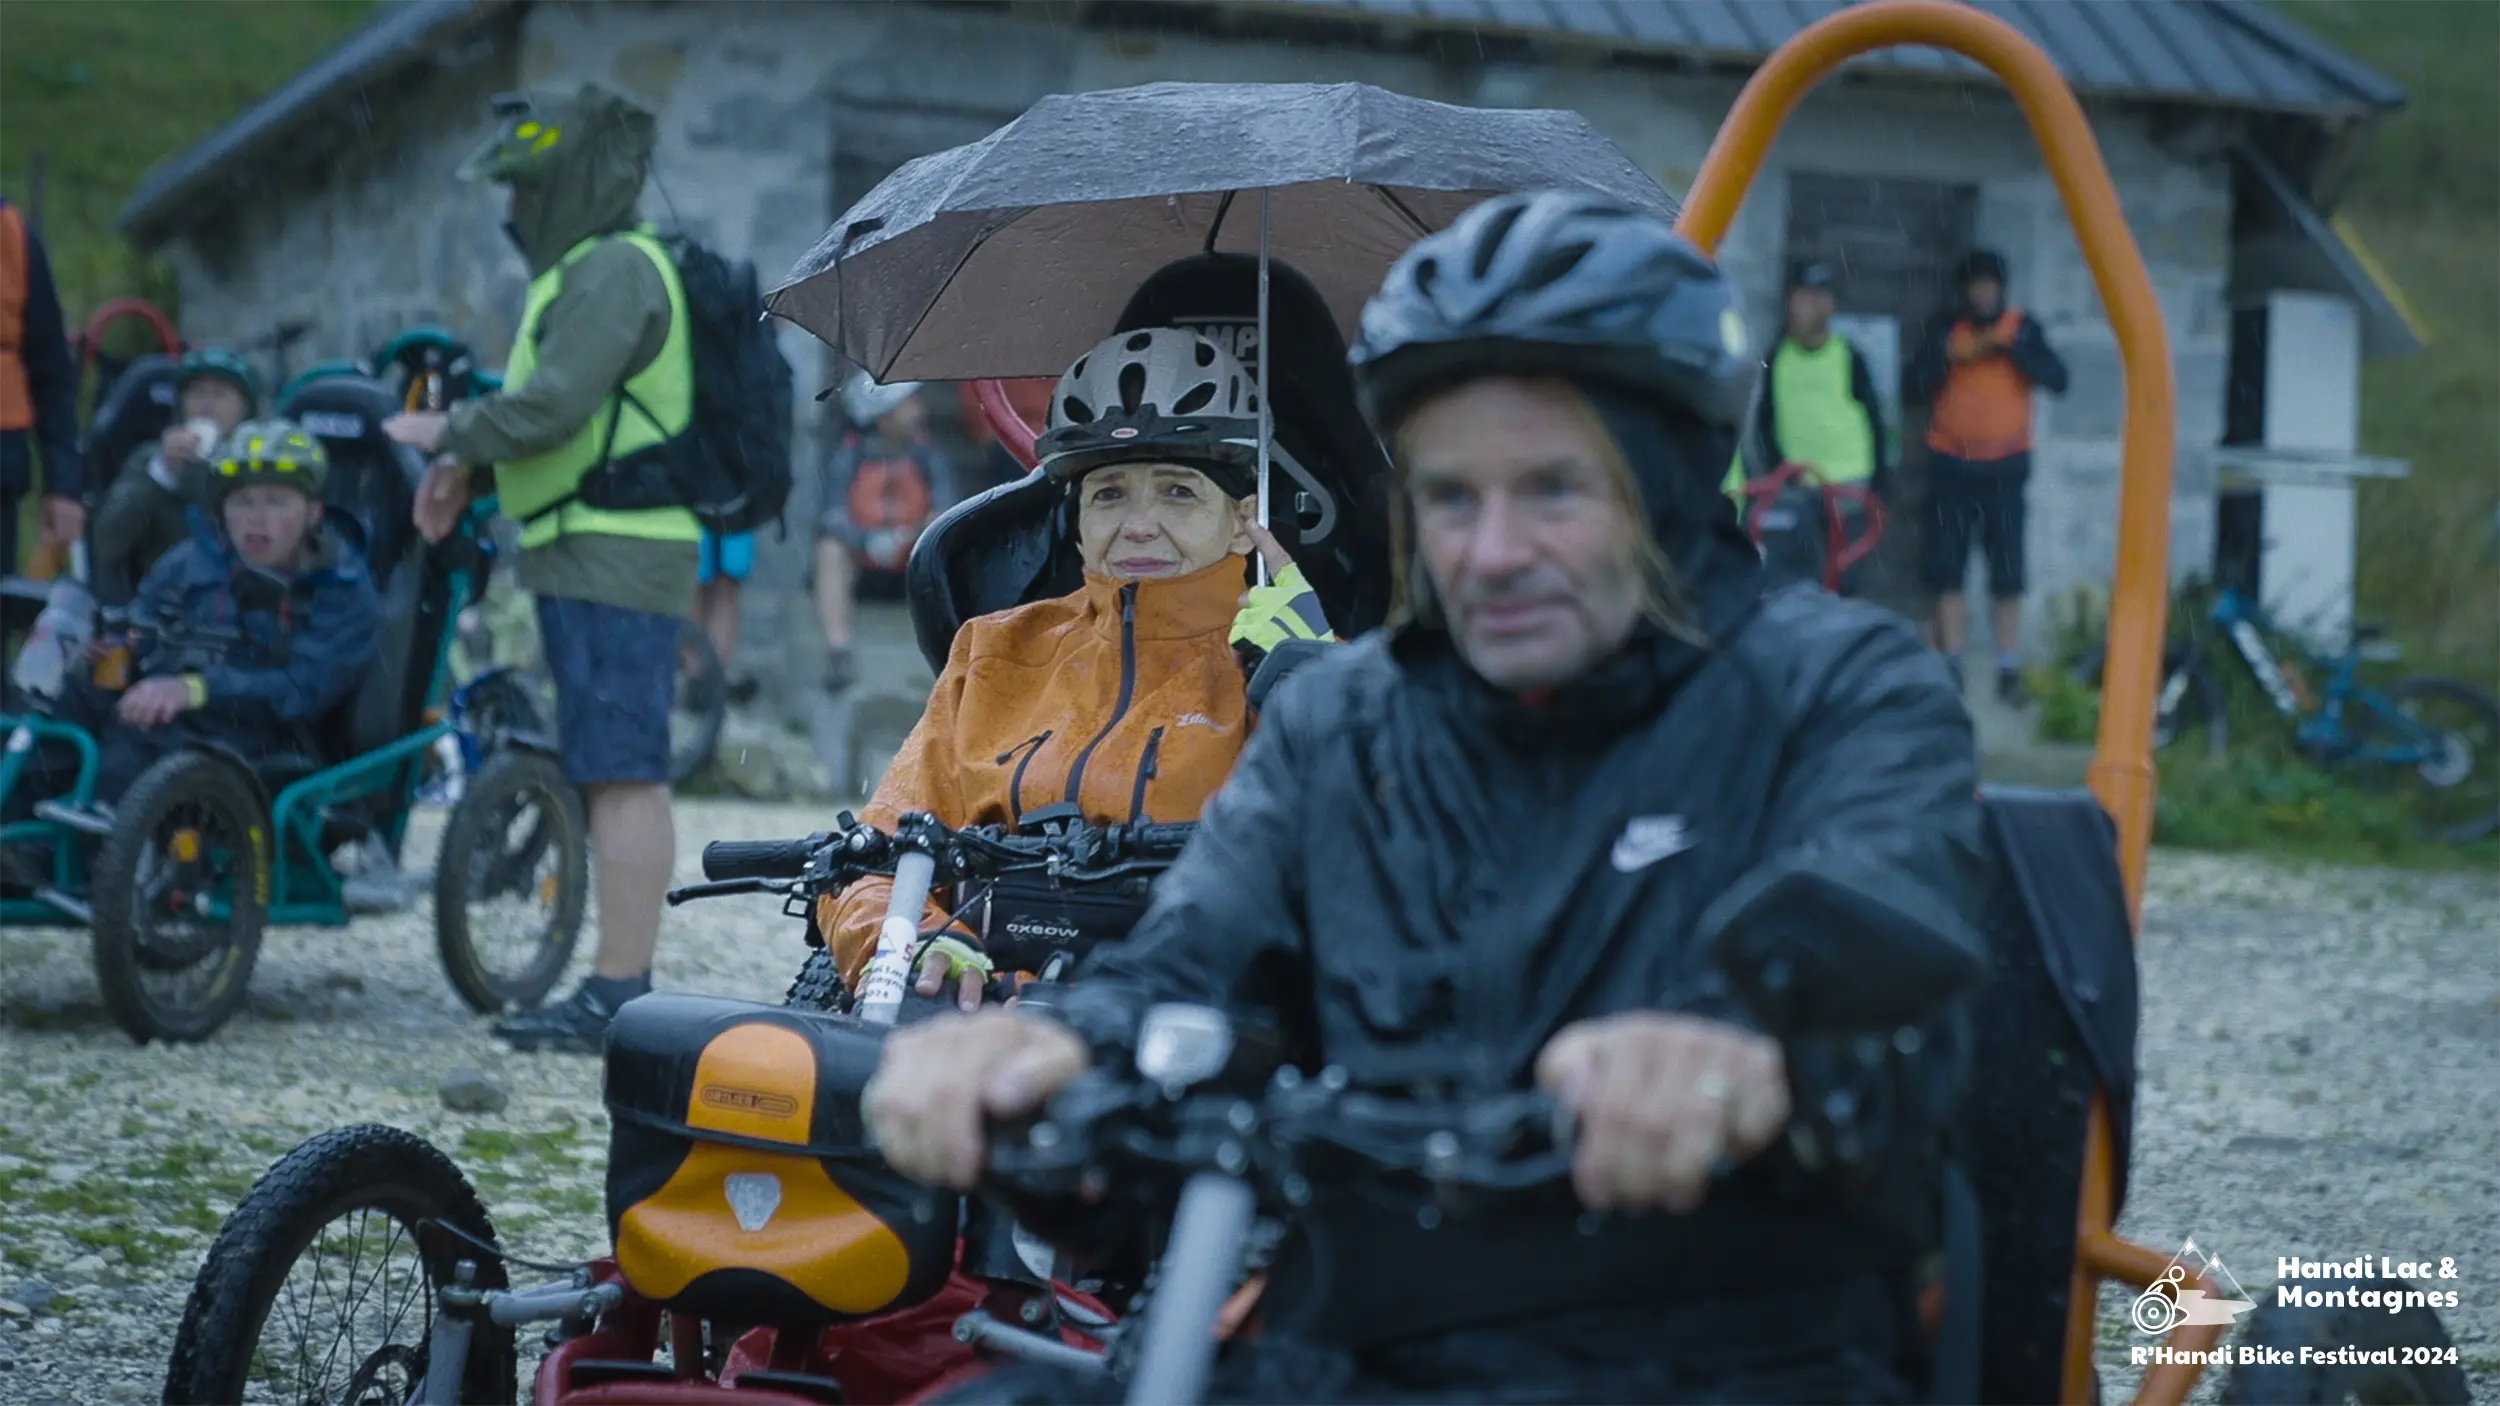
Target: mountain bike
x=2441 y=732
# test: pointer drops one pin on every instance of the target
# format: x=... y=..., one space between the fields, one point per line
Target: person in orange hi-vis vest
x=38 y=395
x=1976 y=369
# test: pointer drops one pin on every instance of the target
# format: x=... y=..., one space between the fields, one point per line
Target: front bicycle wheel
x=322 y=1285
x=512 y=882
x=2455 y=744
x=702 y=704
x=181 y=890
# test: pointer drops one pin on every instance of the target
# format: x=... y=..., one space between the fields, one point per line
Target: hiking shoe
x=2010 y=688
x=841 y=669
x=579 y=1025
x=743 y=691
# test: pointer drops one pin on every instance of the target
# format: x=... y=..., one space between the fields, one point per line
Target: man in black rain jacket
x=1475 y=850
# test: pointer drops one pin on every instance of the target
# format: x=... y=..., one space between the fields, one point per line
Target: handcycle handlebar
x=974 y=852
x=921 y=852
x=1103 y=1124
x=760 y=859
x=1182 y=1117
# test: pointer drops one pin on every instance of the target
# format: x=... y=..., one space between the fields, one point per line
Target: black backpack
x=731 y=467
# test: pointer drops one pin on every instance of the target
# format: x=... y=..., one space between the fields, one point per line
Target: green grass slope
x=2427 y=203
x=101 y=90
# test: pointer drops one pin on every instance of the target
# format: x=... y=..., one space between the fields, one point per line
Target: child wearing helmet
x=147 y=512
x=250 y=631
x=1124 y=698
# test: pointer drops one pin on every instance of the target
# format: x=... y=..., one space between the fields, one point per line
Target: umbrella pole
x=1267 y=424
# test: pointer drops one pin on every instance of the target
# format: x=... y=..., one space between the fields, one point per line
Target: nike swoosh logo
x=1649 y=839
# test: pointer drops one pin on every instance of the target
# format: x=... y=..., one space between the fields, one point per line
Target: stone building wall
x=386 y=240
x=760 y=104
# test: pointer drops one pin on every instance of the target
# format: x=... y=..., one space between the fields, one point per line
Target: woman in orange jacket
x=1124 y=698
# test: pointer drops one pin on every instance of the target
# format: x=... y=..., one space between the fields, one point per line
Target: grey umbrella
x=1011 y=255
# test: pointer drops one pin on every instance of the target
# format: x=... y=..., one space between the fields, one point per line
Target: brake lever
x=723 y=888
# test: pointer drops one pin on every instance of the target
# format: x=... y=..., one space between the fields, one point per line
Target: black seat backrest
x=135 y=410
x=372 y=494
x=1008 y=546
x=2057 y=1020
x=994 y=550
x=373 y=479
x=1335 y=527
x=389 y=700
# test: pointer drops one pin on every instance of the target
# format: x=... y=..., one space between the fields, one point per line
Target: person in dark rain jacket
x=1475 y=851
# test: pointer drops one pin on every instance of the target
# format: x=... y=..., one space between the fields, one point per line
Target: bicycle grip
x=1160 y=838
x=757 y=859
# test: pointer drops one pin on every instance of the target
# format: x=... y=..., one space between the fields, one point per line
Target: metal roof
x=404 y=32
x=2214 y=52
x=2234 y=53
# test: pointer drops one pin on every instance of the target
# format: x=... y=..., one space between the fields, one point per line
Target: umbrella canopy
x=1011 y=255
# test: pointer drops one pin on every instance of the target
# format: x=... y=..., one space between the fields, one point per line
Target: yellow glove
x=958 y=955
x=1283 y=609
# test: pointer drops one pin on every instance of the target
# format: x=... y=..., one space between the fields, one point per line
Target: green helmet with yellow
x=535 y=131
x=268 y=451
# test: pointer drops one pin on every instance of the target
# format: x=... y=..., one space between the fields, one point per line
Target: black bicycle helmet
x=1156 y=393
x=1556 y=283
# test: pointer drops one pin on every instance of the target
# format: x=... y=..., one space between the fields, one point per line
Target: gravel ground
x=2321 y=1052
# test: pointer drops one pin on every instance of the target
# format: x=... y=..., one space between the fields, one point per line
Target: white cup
x=205 y=433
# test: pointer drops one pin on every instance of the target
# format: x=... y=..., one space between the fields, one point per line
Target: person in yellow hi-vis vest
x=600 y=368
x=1818 y=405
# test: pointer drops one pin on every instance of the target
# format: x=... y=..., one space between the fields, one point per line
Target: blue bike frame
x=2321 y=729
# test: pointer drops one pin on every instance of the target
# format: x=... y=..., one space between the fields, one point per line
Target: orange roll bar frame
x=2121 y=775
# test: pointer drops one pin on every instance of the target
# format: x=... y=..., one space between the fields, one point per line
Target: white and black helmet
x=1557 y=283
x=1155 y=393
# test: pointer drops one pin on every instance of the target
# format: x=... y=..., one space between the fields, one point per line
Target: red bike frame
x=907 y=1355
x=1840 y=551
x=1009 y=426
x=114 y=310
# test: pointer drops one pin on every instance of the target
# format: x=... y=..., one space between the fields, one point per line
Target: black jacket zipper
x=1145 y=773
x=1128 y=685
x=1031 y=747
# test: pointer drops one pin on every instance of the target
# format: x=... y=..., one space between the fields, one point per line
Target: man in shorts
x=1976 y=368
x=601 y=365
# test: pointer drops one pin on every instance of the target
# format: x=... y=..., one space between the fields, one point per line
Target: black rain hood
x=1676 y=464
